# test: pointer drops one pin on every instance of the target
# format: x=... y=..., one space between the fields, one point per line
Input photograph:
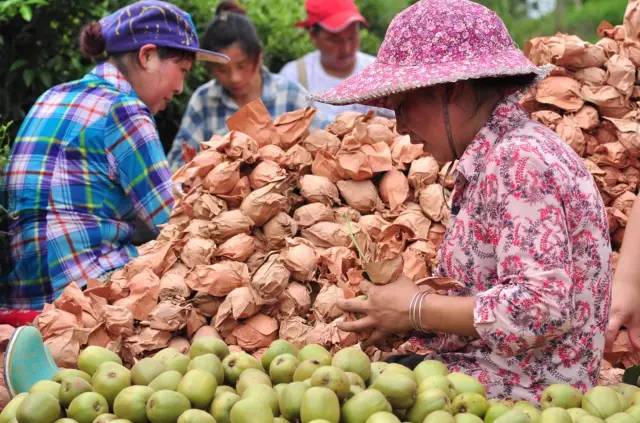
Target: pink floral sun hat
x=435 y=42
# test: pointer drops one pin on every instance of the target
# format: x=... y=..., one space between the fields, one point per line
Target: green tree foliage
x=38 y=40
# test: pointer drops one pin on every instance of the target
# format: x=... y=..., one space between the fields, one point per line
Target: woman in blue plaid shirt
x=87 y=163
x=235 y=84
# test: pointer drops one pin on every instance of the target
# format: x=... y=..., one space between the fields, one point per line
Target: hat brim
x=379 y=80
x=336 y=22
x=210 y=56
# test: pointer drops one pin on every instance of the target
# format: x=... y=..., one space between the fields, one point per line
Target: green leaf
x=27 y=76
x=17 y=65
x=25 y=12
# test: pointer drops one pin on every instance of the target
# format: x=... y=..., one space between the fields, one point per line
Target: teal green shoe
x=27 y=360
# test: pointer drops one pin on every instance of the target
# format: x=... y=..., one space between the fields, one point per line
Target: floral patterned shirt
x=529 y=239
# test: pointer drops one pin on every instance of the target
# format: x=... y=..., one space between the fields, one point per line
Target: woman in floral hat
x=87 y=165
x=528 y=237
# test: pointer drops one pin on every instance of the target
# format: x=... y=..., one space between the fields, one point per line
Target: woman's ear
x=148 y=57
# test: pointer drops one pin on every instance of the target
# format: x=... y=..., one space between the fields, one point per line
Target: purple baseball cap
x=153 y=22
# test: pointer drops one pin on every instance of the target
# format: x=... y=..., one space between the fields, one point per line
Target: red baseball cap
x=332 y=15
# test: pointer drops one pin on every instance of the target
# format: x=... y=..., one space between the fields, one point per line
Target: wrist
x=417 y=312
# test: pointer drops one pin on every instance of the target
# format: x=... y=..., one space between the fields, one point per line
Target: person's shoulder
x=280 y=82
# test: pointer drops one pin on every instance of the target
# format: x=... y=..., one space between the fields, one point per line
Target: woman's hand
x=386 y=309
x=624 y=312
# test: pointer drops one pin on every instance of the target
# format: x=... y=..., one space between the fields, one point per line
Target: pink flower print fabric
x=530 y=242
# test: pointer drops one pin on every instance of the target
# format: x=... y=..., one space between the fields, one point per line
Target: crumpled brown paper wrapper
x=280 y=227
x=293 y=126
x=300 y=258
x=294 y=301
x=268 y=282
x=361 y=195
x=312 y=213
x=256 y=332
x=239 y=247
x=263 y=204
x=319 y=189
x=218 y=279
x=254 y=120
x=432 y=202
x=265 y=173
x=394 y=188
x=560 y=91
x=326 y=234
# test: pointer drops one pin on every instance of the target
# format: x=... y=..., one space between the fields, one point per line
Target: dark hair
x=505 y=84
x=231 y=25
x=92 y=46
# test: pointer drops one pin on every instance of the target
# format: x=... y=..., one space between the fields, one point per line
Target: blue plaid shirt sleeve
x=132 y=139
x=192 y=128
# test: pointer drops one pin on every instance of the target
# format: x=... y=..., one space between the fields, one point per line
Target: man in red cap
x=333 y=26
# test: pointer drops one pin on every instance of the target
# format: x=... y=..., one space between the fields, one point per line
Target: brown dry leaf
x=319 y=139
x=254 y=120
x=222 y=178
x=300 y=258
x=278 y=229
x=372 y=225
x=621 y=74
x=293 y=126
x=218 y=279
x=294 y=329
x=379 y=156
x=335 y=261
x=239 y=304
x=353 y=165
x=310 y=214
x=197 y=251
x=229 y=224
x=265 y=173
x=432 y=202
x=560 y=91
x=297 y=158
x=344 y=123
x=239 y=247
x=263 y=204
x=143 y=294
x=168 y=316
x=268 y=282
x=238 y=193
x=403 y=152
x=327 y=234
x=361 y=195
x=325 y=164
x=569 y=130
x=294 y=301
x=318 y=189
x=272 y=152
x=257 y=332
x=394 y=188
